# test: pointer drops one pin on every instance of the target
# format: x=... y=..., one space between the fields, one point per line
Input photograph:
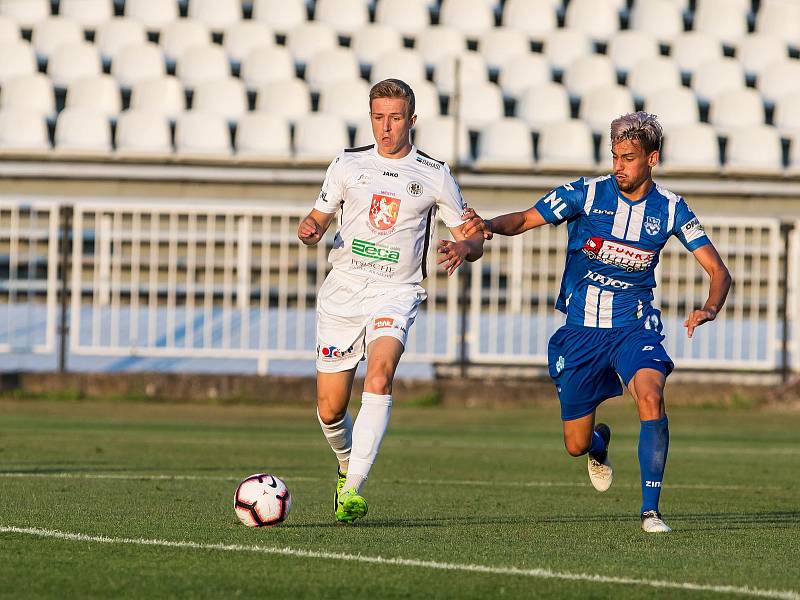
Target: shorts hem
x=589 y=411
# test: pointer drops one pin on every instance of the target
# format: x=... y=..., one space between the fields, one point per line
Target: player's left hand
x=697 y=318
x=452 y=254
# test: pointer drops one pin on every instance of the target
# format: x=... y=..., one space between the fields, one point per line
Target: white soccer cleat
x=601 y=474
x=653 y=523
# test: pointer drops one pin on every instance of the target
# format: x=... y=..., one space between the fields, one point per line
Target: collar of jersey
x=410 y=157
x=628 y=200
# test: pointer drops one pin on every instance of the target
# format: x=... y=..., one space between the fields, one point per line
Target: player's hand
x=451 y=254
x=697 y=318
x=309 y=231
x=474 y=224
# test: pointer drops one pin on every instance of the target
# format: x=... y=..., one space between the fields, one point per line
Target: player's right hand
x=474 y=224
x=309 y=231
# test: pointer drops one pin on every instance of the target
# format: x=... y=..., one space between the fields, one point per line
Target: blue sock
x=598 y=449
x=653 y=445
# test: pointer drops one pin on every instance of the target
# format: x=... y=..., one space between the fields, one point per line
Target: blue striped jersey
x=614 y=247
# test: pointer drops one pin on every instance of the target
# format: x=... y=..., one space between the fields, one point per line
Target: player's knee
x=378 y=383
x=652 y=400
x=576 y=447
x=328 y=414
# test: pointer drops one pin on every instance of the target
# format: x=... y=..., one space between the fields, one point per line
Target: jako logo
x=384 y=323
x=390 y=174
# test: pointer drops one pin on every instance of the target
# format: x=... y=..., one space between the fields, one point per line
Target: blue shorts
x=586 y=363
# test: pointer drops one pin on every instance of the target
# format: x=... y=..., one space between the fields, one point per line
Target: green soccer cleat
x=350 y=506
x=339 y=486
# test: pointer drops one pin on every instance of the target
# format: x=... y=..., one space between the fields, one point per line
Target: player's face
x=632 y=165
x=391 y=126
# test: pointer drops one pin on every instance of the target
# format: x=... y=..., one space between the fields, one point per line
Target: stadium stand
x=263 y=137
x=162 y=95
x=289 y=98
x=23 y=131
x=142 y=134
x=98 y=93
x=32 y=92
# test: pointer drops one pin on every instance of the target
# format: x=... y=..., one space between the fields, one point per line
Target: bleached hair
x=639 y=127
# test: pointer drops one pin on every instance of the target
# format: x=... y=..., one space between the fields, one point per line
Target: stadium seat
x=280 y=15
x=736 y=108
x=779 y=79
x=364 y=136
x=404 y=64
x=472 y=17
x=73 y=61
x=223 y=97
x=472 y=70
x=544 y=103
x=33 y=93
x=690 y=149
x=50 y=33
x=661 y=19
x=216 y=15
x=757 y=51
x=501 y=45
x=716 y=76
x=589 y=72
x=606 y=157
x=137 y=62
x=206 y=62
x=88 y=13
x=780 y=20
x=329 y=66
x=693 y=48
x=116 y=33
x=289 y=98
x=675 y=107
x=9 y=30
x=505 y=144
x=522 y=72
x=426 y=98
x=202 y=135
x=318 y=138
x=344 y=16
x=307 y=39
x=600 y=105
x=598 y=20
x=143 y=134
x=564 y=46
x=243 y=37
x=263 y=137
x=348 y=100
x=436 y=137
x=25 y=12
x=629 y=47
x=725 y=20
x=266 y=64
x=373 y=40
x=653 y=74
x=18 y=59
x=534 y=18
x=754 y=150
x=181 y=34
x=566 y=145
x=82 y=130
x=153 y=14
x=439 y=41
x=787 y=114
x=162 y=95
x=98 y=93
x=409 y=18
x=23 y=131
x=480 y=103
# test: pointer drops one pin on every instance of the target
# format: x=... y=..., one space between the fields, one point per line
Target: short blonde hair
x=393 y=88
x=640 y=127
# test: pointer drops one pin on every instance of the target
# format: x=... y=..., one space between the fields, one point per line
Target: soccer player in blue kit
x=617 y=225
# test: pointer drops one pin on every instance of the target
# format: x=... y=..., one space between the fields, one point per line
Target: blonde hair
x=640 y=127
x=394 y=88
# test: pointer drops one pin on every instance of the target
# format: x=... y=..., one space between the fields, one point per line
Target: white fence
x=223 y=280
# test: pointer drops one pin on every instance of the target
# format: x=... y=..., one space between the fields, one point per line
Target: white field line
x=408 y=562
x=442 y=482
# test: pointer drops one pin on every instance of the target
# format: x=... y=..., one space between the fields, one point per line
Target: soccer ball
x=262 y=500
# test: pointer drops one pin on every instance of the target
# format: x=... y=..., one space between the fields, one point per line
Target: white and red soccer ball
x=262 y=500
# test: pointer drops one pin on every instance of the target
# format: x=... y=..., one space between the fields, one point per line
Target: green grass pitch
x=481 y=504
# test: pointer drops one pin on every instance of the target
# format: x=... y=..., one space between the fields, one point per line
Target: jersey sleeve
x=332 y=192
x=688 y=228
x=450 y=201
x=562 y=203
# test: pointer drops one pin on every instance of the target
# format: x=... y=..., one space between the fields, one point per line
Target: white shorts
x=352 y=312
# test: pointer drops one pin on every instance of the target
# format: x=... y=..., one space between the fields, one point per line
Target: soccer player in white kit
x=387 y=196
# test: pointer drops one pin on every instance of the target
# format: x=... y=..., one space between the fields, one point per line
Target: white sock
x=340 y=437
x=368 y=432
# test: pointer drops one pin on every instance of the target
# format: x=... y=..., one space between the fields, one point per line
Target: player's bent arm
x=516 y=222
x=314 y=226
x=452 y=254
x=718 y=288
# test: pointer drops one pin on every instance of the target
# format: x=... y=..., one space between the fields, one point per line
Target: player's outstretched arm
x=508 y=224
x=452 y=254
x=710 y=260
x=314 y=226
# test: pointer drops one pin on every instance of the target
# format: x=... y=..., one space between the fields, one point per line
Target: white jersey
x=388 y=209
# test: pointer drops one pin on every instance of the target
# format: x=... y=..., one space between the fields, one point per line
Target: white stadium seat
x=153 y=14
x=409 y=18
x=373 y=40
x=779 y=79
x=263 y=137
x=99 y=93
x=757 y=51
x=25 y=12
x=306 y=40
x=202 y=63
x=544 y=103
x=243 y=37
x=480 y=104
x=116 y=33
x=89 y=13
x=318 y=138
x=534 y=18
x=794 y=155
x=787 y=114
x=289 y=98
x=163 y=95
x=472 y=17
x=504 y=145
x=629 y=47
x=217 y=15
x=563 y=46
x=737 y=108
x=223 y=97
x=754 y=150
x=50 y=33
x=589 y=72
x=598 y=20
x=523 y=72
x=18 y=59
x=436 y=137
x=80 y=130
x=181 y=34
x=780 y=20
x=266 y=64
x=661 y=19
x=280 y=15
x=22 y=130
x=472 y=69
x=9 y=30
x=33 y=92
x=690 y=149
x=439 y=41
x=202 y=135
x=716 y=76
x=73 y=61
x=725 y=20
x=600 y=105
x=334 y=65
x=566 y=145
x=344 y=16
x=675 y=107
x=141 y=133
x=653 y=74
x=364 y=136
x=137 y=62
x=405 y=64
x=501 y=45
x=693 y=48
x=348 y=100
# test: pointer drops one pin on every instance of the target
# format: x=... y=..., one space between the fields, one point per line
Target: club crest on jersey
x=652 y=225
x=617 y=254
x=383 y=212
x=414 y=188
